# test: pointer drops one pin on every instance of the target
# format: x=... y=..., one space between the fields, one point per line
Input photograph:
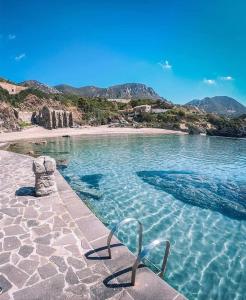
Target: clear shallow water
x=188 y=189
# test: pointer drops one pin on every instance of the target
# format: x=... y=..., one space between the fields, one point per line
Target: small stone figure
x=44 y=168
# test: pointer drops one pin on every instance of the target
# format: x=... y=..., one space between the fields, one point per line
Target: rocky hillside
x=125 y=91
x=86 y=91
x=34 y=84
x=16 y=109
x=8 y=118
x=221 y=105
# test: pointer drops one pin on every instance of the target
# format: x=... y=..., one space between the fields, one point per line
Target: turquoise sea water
x=188 y=189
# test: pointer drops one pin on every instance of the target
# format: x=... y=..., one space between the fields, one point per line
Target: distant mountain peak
x=222 y=105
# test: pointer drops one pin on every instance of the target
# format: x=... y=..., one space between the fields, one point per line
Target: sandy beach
x=40 y=132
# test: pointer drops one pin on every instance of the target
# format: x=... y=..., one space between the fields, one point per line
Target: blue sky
x=183 y=49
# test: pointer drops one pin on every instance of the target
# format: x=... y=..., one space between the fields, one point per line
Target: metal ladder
x=141 y=252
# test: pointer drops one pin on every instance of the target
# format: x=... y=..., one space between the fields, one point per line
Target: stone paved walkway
x=47 y=245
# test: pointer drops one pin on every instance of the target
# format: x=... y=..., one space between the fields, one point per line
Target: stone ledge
x=148 y=284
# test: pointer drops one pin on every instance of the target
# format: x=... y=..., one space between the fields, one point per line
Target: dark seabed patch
x=225 y=197
x=89 y=195
x=61 y=167
x=92 y=180
x=86 y=186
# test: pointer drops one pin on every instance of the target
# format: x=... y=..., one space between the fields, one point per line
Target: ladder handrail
x=141 y=253
x=116 y=227
x=145 y=252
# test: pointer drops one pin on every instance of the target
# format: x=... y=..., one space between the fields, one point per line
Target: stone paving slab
x=49 y=246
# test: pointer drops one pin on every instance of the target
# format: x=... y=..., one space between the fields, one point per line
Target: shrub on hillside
x=4 y=95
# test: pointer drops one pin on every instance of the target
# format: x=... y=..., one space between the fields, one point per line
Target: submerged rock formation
x=224 y=196
x=44 y=168
x=50 y=118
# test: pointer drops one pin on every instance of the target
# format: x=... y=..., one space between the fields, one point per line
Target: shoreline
x=35 y=133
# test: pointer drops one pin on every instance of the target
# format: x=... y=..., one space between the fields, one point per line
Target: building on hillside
x=142 y=108
x=12 y=88
x=119 y=100
x=159 y=110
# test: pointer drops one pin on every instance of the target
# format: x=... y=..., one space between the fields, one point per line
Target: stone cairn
x=44 y=168
x=50 y=118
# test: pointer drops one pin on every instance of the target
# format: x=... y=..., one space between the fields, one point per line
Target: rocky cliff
x=15 y=115
x=235 y=127
x=8 y=118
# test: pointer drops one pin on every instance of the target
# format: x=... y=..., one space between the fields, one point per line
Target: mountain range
x=125 y=91
x=221 y=105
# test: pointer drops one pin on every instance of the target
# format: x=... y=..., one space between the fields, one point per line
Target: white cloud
x=165 y=65
x=21 y=56
x=209 y=81
x=11 y=36
x=226 y=78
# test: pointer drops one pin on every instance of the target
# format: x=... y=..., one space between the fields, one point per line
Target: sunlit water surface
x=190 y=190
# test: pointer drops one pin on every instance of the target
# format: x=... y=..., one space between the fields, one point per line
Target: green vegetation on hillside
x=100 y=111
x=16 y=99
x=4 y=95
x=171 y=118
x=20 y=97
x=158 y=103
x=23 y=124
x=225 y=126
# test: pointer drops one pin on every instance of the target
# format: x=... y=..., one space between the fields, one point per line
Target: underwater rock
x=226 y=198
x=92 y=180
